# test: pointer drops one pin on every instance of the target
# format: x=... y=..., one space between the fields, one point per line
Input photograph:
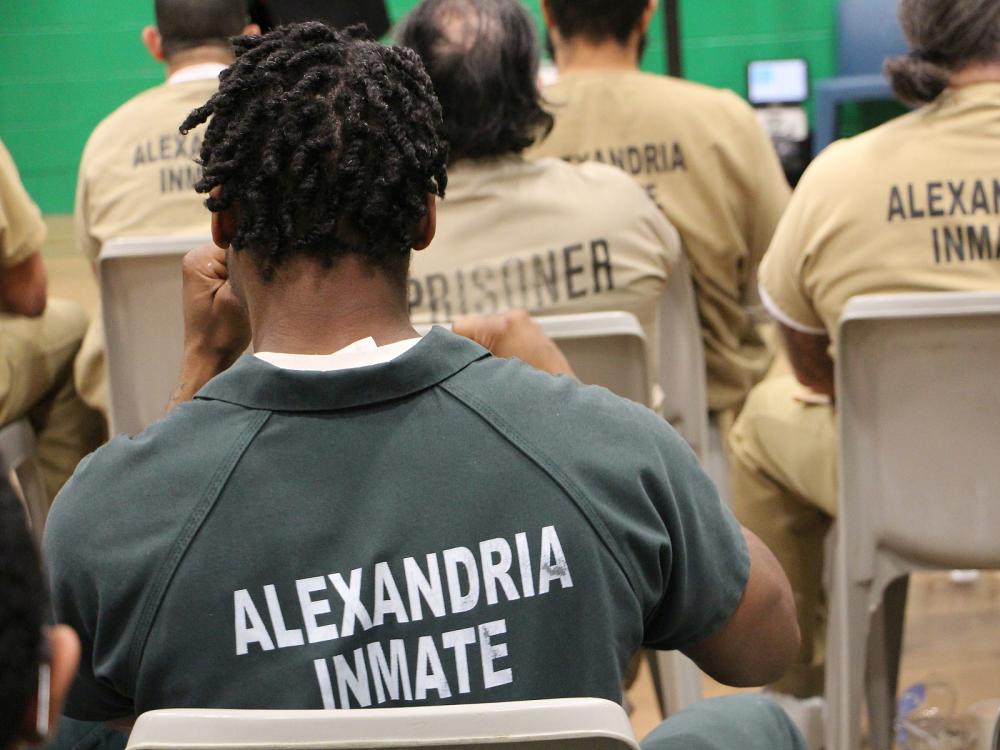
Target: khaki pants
x=36 y=380
x=91 y=370
x=783 y=481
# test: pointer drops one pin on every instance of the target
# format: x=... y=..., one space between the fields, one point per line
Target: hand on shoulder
x=515 y=334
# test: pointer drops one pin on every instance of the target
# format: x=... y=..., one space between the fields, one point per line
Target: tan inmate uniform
x=36 y=354
x=912 y=206
x=546 y=236
x=137 y=177
x=703 y=158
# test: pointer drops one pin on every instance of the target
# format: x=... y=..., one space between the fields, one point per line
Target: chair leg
x=29 y=476
x=885 y=643
x=679 y=681
x=845 y=667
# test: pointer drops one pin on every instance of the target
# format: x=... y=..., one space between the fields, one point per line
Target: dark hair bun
x=915 y=79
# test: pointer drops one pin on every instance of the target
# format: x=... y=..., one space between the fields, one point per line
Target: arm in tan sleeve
x=23 y=287
x=810 y=358
x=22 y=232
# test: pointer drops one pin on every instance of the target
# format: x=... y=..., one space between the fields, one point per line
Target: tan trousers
x=783 y=481
x=91 y=370
x=36 y=380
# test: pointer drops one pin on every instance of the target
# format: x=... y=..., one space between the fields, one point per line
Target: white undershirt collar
x=199 y=72
x=361 y=353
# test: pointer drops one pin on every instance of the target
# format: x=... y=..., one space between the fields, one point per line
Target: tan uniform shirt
x=137 y=177
x=22 y=230
x=137 y=173
x=546 y=236
x=911 y=206
x=704 y=159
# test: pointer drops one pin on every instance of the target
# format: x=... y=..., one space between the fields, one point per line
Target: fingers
x=207 y=261
x=514 y=334
x=485 y=330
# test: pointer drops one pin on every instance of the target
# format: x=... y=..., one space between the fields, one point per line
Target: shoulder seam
x=539 y=458
x=165 y=573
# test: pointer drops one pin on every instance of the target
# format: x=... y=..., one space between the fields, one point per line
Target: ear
x=153 y=42
x=251 y=29
x=224 y=223
x=427 y=226
x=647 y=15
x=64 y=647
x=223 y=227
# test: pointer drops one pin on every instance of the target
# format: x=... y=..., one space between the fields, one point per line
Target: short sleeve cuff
x=801 y=321
x=728 y=595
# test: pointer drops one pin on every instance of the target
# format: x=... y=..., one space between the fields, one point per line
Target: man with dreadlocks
x=354 y=516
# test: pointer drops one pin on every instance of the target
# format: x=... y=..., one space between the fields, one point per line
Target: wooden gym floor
x=952 y=630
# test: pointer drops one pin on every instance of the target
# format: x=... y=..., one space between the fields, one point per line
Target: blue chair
x=868 y=33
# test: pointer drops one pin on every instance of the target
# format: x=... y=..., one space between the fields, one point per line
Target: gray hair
x=945 y=35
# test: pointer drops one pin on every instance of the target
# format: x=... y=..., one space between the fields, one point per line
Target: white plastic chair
x=580 y=723
x=682 y=361
x=140 y=280
x=918 y=409
x=603 y=348
x=18 y=456
x=683 y=378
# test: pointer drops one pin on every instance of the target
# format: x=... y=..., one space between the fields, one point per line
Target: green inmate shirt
x=447 y=527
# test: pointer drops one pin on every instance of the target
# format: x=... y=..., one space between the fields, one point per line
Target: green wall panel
x=65 y=64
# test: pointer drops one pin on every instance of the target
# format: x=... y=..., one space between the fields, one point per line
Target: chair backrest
x=603 y=348
x=140 y=280
x=579 y=723
x=682 y=360
x=868 y=32
x=919 y=408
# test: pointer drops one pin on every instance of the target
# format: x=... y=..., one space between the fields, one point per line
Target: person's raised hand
x=215 y=324
x=514 y=334
x=216 y=327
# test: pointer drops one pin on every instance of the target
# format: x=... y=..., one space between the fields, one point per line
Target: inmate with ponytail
x=325 y=143
x=945 y=35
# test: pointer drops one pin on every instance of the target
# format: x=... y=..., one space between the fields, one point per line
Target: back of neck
x=969 y=75
x=581 y=55
x=308 y=309
x=198 y=56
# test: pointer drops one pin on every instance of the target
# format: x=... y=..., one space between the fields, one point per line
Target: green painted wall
x=64 y=64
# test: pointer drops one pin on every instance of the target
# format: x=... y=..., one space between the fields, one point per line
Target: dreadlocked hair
x=324 y=143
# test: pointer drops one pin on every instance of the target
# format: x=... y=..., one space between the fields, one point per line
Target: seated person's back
x=137 y=173
x=545 y=236
x=698 y=151
x=910 y=206
x=401 y=521
x=39 y=338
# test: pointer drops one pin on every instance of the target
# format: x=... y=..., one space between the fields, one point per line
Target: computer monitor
x=778 y=81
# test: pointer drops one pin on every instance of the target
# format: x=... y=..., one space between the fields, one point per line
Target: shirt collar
x=472 y=174
x=361 y=353
x=200 y=72
x=988 y=91
x=255 y=384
